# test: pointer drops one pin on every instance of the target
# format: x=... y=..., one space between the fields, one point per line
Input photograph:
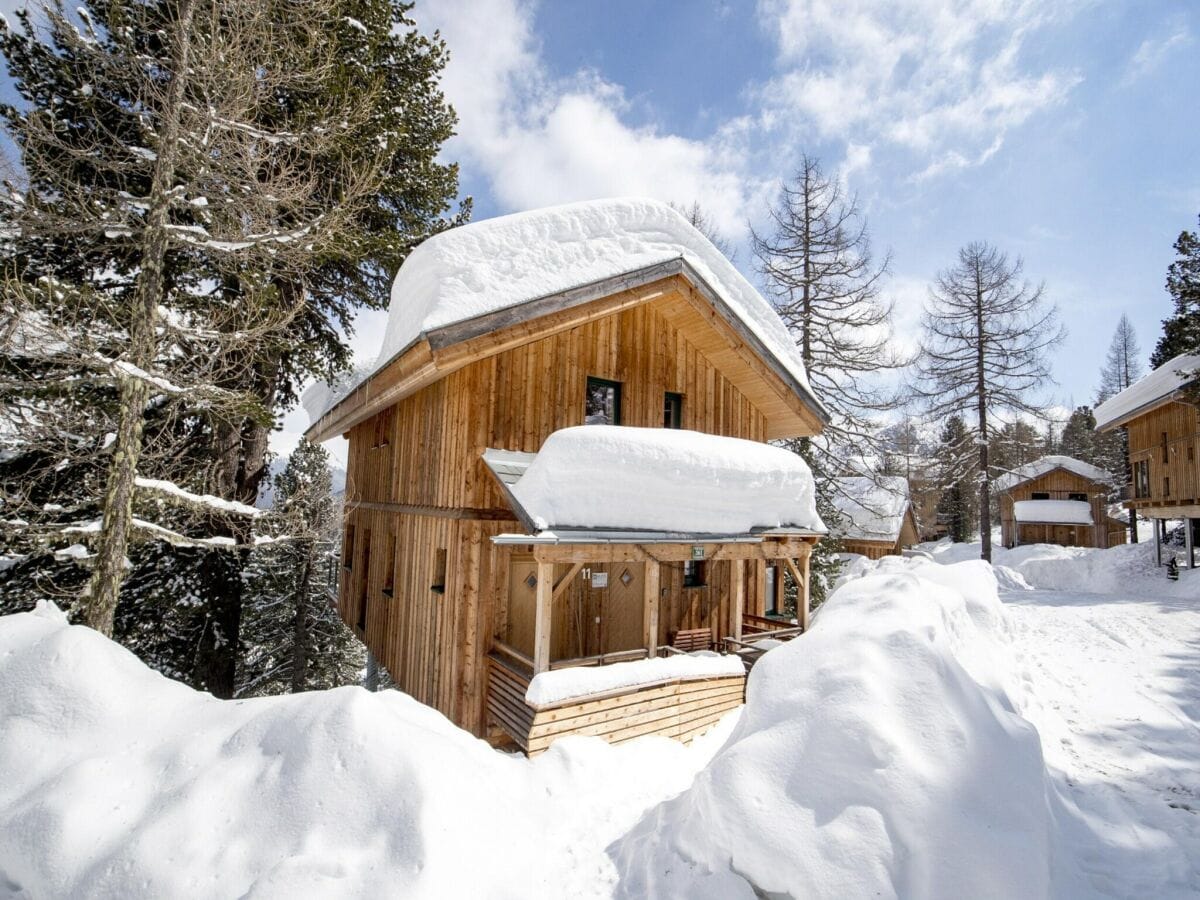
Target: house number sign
x=697 y=552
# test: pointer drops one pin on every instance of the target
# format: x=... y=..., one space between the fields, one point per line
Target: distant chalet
x=490 y=540
x=1057 y=500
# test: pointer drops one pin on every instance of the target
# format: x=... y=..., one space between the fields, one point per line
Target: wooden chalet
x=1161 y=417
x=1057 y=500
x=502 y=334
x=877 y=517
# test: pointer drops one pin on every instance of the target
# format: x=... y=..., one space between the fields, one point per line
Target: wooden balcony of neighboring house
x=680 y=707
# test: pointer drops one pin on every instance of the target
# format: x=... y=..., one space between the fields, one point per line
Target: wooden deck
x=680 y=709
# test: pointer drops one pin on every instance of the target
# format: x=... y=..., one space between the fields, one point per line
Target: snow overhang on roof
x=606 y=483
x=1053 y=512
x=1040 y=467
x=872 y=507
x=478 y=278
x=1155 y=389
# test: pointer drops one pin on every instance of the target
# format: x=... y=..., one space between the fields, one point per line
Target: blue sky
x=1067 y=133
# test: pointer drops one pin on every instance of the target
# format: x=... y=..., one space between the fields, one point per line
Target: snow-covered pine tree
x=295 y=640
x=1181 y=330
x=984 y=350
x=955 y=463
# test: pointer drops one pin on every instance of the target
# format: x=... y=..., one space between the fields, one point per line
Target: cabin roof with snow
x=1053 y=512
x=479 y=289
x=1150 y=392
x=872 y=507
x=659 y=484
x=1046 y=464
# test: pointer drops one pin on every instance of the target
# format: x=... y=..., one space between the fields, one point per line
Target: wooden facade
x=1061 y=484
x=435 y=596
x=1164 y=455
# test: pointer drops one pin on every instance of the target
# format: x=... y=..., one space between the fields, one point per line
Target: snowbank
x=659 y=479
x=878 y=756
x=116 y=782
x=1058 y=512
x=580 y=681
x=872 y=507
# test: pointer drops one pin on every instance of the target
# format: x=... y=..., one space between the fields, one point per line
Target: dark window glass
x=389 y=581
x=439 y=572
x=1164 y=447
x=364 y=580
x=1074 y=496
x=1040 y=495
x=602 y=402
x=348 y=550
x=693 y=573
x=1141 y=478
x=672 y=410
x=1166 y=486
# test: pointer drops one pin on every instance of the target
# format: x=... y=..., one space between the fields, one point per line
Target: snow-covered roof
x=517 y=261
x=1040 y=467
x=872 y=507
x=1053 y=512
x=657 y=481
x=1148 y=391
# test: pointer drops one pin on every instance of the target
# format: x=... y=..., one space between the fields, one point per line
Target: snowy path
x=1113 y=685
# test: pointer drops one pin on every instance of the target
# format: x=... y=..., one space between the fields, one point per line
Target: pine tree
x=295 y=639
x=1181 y=331
x=985 y=348
x=1079 y=437
x=1123 y=364
x=955 y=455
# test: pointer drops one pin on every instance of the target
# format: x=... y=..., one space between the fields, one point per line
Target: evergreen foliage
x=1181 y=330
x=955 y=455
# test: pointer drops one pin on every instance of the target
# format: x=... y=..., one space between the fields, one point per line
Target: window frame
x=673 y=406
x=1141 y=479
x=1039 y=495
x=603 y=383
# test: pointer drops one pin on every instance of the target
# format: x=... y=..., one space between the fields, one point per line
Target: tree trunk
x=985 y=493
x=116 y=522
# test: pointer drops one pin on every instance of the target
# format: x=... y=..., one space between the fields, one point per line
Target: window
x=1191 y=453
x=439 y=572
x=348 y=550
x=382 y=430
x=602 y=402
x=1164 y=447
x=1076 y=496
x=389 y=581
x=1166 y=486
x=1040 y=495
x=364 y=580
x=1141 y=478
x=672 y=410
x=693 y=573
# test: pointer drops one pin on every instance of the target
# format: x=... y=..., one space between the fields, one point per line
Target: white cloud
x=1152 y=51
x=942 y=81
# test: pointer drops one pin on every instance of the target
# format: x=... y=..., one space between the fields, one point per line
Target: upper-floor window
x=1164 y=447
x=602 y=402
x=1166 y=485
x=672 y=410
x=1141 y=478
x=1040 y=495
x=1077 y=496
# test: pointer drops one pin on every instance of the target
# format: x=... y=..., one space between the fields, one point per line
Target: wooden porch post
x=737 y=587
x=541 y=621
x=651 y=587
x=1189 y=547
x=802 y=593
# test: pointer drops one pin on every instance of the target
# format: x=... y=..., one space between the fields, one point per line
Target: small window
x=672 y=410
x=348 y=550
x=439 y=572
x=1166 y=485
x=1164 y=447
x=693 y=573
x=389 y=580
x=1076 y=496
x=364 y=580
x=1141 y=478
x=602 y=402
x=1191 y=453
x=1040 y=495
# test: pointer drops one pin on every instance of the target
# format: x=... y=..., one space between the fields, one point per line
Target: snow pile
x=658 y=479
x=558 y=685
x=1058 y=512
x=116 y=782
x=878 y=756
x=1162 y=382
x=872 y=507
x=1040 y=467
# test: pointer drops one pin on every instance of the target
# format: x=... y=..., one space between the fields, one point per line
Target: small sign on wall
x=697 y=551
x=599 y=579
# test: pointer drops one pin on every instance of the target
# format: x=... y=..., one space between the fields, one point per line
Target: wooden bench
x=687 y=640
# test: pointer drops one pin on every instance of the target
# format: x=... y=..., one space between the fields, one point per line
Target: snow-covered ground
x=932 y=737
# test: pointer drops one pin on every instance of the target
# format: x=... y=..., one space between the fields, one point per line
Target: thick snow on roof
x=663 y=480
x=872 y=508
x=1058 y=512
x=1040 y=467
x=498 y=263
x=1162 y=382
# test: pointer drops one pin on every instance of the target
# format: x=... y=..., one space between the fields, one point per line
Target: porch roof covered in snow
x=477 y=290
x=1148 y=393
x=1053 y=512
x=615 y=484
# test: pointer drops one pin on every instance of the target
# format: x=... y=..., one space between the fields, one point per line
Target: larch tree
x=985 y=348
x=1181 y=330
x=1123 y=363
x=703 y=222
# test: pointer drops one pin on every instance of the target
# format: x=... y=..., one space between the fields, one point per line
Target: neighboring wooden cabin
x=1057 y=500
x=502 y=333
x=877 y=515
x=1160 y=416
